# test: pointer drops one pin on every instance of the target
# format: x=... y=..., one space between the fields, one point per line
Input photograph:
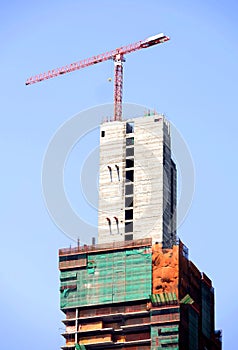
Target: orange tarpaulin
x=165 y=269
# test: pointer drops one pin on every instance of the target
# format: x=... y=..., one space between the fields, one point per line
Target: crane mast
x=118 y=86
x=116 y=55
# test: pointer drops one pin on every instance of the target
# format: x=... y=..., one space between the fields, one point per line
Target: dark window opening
x=129 y=127
x=129 y=163
x=129 y=226
x=166 y=311
x=130 y=176
x=130 y=152
x=103 y=133
x=71 y=257
x=157 y=119
x=118 y=172
x=130 y=141
x=110 y=172
x=109 y=225
x=129 y=189
x=171 y=331
x=129 y=214
x=129 y=237
x=117 y=224
x=129 y=201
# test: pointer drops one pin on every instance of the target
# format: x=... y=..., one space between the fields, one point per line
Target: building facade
x=136 y=289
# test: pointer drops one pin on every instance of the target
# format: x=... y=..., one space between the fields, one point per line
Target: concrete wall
x=154 y=182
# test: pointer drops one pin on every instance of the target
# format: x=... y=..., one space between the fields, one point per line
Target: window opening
x=117 y=224
x=129 y=163
x=109 y=225
x=129 y=189
x=130 y=176
x=129 y=127
x=129 y=237
x=130 y=141
x=110 y=172
x=129 y=214
x=128 y=226
x=118 y=172
x=102 y=133
x=129 y=201
x=130 y=152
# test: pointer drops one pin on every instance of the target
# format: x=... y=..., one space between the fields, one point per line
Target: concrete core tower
x=137 y=185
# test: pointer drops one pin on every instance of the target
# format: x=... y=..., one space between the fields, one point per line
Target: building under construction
x=136 y=289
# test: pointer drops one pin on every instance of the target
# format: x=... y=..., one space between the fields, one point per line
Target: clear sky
x=192 y=79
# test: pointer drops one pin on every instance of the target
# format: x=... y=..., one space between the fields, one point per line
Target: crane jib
x=117 y=55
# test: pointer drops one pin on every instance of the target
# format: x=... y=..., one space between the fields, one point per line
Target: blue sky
x=192 y=79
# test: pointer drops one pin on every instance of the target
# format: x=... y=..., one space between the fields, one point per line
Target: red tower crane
x=116 y=55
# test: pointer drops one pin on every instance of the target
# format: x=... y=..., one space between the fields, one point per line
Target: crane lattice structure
x=116 y=55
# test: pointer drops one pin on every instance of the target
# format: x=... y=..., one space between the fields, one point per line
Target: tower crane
x=116 y=55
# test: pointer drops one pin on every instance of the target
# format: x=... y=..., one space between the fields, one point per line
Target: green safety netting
x=109 y=277
x=80 y=347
